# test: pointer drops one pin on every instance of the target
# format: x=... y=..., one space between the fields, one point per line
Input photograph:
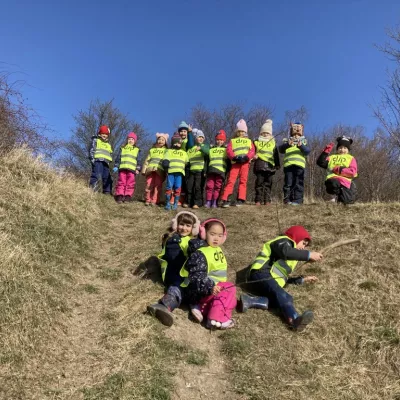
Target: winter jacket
x=305 y=150
x=117 y=161
x=212 y=170
x=261 y=165
x=92 y=150
x=249 y=155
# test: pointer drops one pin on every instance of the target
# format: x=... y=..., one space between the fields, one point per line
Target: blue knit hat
x=183 y=125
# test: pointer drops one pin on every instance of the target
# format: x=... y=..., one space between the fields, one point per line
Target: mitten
x=328 y=148
x=236 y=158
x=115 y=169
x=176 y=238
x=245 y=159
x=337 y=170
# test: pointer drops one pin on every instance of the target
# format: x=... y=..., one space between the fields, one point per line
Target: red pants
x=153 y=189
x=126 y=183
x=241 y=170
x=213 y=186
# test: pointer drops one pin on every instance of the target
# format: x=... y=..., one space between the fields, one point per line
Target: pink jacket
x=231 y=154
x=350 y=172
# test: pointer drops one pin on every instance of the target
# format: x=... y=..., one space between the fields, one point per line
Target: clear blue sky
x=159 y=58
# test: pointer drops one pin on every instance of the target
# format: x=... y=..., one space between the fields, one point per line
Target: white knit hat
x=267 y=127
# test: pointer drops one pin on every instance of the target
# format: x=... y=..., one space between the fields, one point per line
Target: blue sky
x=159 y=58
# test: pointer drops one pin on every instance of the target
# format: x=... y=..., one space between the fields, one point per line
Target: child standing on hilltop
x=269 y=273
x=341 y=168
x=100 y=156
x=266 y=163
x=127 y=166
x=240 y=151
x=217 y=168
x=205 y=272
x=174 y=164
x=184 y=227
x=198 y=157
x=294 y=163
x=153 y=170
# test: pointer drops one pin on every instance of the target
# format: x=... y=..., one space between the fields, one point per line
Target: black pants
x=345 y=195
x=195 y=186
x=293 y=188
x=263 y=186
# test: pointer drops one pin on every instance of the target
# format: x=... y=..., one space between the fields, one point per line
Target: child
x=183 y=130
x=174 y=164
x=271 y=268
x=294 y=163
x=206 y=278
x=342 y=169
x=127 y=166
x=100 y=155
x=240 y=150
x=184 y=226
x=153 y=169
x=198 y=156
x=217 y=168
x=267 y=162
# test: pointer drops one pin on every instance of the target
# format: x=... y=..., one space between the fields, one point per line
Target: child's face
x=296 y=134
x=104 y=136
x=184 y=229
x=241 y=134
x=177 y=145
x=215 y=235
x=161 y=141
x=219 y=142
x=302 y=244
x=200 y=139
x=131 y=141
x=343 y=150
x=183 y=133
x=265 y=134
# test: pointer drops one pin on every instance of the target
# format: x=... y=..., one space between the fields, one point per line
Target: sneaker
x=239 y=203
x=195 y=207
x=295 y=204
x=226 y=204
x=258 y=203
x=161 y=313
x=185 y=205
x=267 y=203
x=228 y=324
x=287 y=203
x=196 y=313
x=300 y=323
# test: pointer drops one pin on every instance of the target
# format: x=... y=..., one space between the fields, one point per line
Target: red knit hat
x=221 y=135
x=132 y=135
x=298 y=233
x=104 y=130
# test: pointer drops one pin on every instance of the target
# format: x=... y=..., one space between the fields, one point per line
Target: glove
x=337 y=170
x=328 y=148
x=115 y=169
x=176 y=238
x=236 y=158
x=245 y=159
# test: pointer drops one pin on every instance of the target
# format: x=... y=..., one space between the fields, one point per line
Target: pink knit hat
x=241 y=126
x=132 y=135
x=164 y=135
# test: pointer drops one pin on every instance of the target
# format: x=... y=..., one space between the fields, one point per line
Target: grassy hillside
x=72 y=321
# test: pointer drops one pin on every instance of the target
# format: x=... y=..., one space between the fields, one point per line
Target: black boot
x=247 y=302
x=162 y=313
x=300 y=323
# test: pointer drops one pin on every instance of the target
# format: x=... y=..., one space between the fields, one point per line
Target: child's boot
x=215 y=204
x=208 y=204
x=196 y=313
x=167 y=202
x=176 y=201
x=162 y=313
x=247 y=302
x=119 y=199
x=303 y=320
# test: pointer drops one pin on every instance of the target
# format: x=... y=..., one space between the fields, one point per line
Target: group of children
x=190 y=164
x=194 y=271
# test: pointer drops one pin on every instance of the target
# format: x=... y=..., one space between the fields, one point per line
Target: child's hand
x=255 y=157
x=137 y=172
x=216 y=289
x=310 y=279
x=198 y=148
x=190 y=128
x=315 y=256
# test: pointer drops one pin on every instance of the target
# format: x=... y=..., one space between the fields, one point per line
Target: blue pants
x=101 y=172
x=174 y=183
x=277 y=296
x=293 y=188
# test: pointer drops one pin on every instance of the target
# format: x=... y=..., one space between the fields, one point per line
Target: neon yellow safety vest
x=240 y=146
x=184 y=244
x=265 y=150
x=280 y=269
x=339 y=160
x=177 y=161
x=216 y=263
x=294 y=156
x=184 y=144
x=129 y=157
x=196 y=159
x=218 y=158
x=156 y=157
x=103 y=150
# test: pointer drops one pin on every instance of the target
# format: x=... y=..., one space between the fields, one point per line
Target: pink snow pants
x=126 y=183
x=213 y=186
x=220 y=306
x=153 y=188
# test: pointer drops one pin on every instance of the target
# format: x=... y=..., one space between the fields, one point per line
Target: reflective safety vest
x=216 y=263
x=177 y=161
x=218 y=157
x=240 y=146
x=184 y=244
x=103 y=150
x=294 y=156
x=265 y=150
x=129 y=157
x=184 y=144
x=279 y=269
x=196 y=159
x=156 y=158
x=339 y=160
